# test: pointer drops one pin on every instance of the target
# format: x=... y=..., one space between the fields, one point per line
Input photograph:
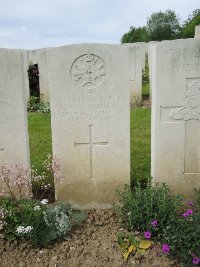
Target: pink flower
x=147 y=235
x=165 y=248
x=154 y=223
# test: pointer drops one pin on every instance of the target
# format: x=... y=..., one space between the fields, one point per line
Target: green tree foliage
x=135 y=35
x=163 y=26
x=188 y=29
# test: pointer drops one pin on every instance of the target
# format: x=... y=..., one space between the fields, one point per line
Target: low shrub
x=158 y=215
x=30 y=219
x=35 y=105
x=37 y=222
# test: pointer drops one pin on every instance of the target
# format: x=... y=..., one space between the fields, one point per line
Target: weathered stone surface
x=14 y=148
x=89 y=96
x=197 y=32
x=176 y=115
x=137 y=63
x=150 y=48
x=13 y=118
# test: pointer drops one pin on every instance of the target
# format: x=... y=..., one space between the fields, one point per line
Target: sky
x=31 y=24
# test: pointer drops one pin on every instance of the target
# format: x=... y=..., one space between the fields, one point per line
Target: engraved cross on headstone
x=91 y=145
x=189 y=113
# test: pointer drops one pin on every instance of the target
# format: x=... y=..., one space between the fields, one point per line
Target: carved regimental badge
x=191 y=109
x=88 y=71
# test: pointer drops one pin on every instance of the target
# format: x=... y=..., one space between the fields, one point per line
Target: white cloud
x=45 y=23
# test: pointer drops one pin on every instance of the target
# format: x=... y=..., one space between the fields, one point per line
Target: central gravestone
x=89 y=95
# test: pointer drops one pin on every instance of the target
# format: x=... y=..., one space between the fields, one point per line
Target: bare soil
x=94 y=244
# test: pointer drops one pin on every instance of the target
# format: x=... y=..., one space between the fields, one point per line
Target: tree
x=135 y=35
x=163 y=26
x=188 y=28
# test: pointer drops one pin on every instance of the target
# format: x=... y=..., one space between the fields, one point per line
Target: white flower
x=28 y=229
x=37 y=208
x=20 y=229
x=44 y=201
x=23 y=230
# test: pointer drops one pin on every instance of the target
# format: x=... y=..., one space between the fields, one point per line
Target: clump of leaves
x=37 y=222
x=130 y=244
x=35 y=105
x=138 y=207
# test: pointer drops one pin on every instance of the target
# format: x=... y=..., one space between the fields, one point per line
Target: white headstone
x=176 y=115
x=197 y=32
x=150 y=48
x=89 y=96
x=14 y=146
x=137 y=59
x=39 y=56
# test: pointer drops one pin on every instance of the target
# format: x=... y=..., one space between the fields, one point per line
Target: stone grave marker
x=176 y=115
x=39 y=56
x=89 y=96
x=197 y=32
x=14 y=145
x=137 y=63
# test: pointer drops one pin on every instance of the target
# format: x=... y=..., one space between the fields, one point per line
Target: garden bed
x=93 y=244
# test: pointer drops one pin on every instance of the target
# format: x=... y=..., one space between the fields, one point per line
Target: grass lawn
x=40 y=141
x=39 y=126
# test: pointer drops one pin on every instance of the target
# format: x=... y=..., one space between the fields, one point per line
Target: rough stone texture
x=176 y=115
x=137 y=59
x=39 y=56
x=197 y=32
x=89 y=88
x=14 y=146
x=150 y=48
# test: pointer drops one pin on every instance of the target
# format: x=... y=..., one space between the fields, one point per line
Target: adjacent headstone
x=89 y=96
x=197 y=32
x=150 y=48
x=39 y=56
x=176 y=115
x=137 y=59
x=14 y=146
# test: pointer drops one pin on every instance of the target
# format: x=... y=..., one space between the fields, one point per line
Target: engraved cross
x=189 y=114
x=91 y=144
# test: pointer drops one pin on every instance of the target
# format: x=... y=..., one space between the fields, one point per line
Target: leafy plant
x=37 y=222
x=137 y=208
x=34 y=105
x=165 y=218
x=131 y=244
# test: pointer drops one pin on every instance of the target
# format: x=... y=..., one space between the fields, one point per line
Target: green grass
x=40 y=141
x=145 y=89
x=39 y=126
x=140 y=144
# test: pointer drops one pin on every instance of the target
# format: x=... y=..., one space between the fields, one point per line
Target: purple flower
x=190 y=203
x=165 y=248
x=185 y=214
x=154 y=223
x=189 y=212
x=147 y=235
x=196 y=260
